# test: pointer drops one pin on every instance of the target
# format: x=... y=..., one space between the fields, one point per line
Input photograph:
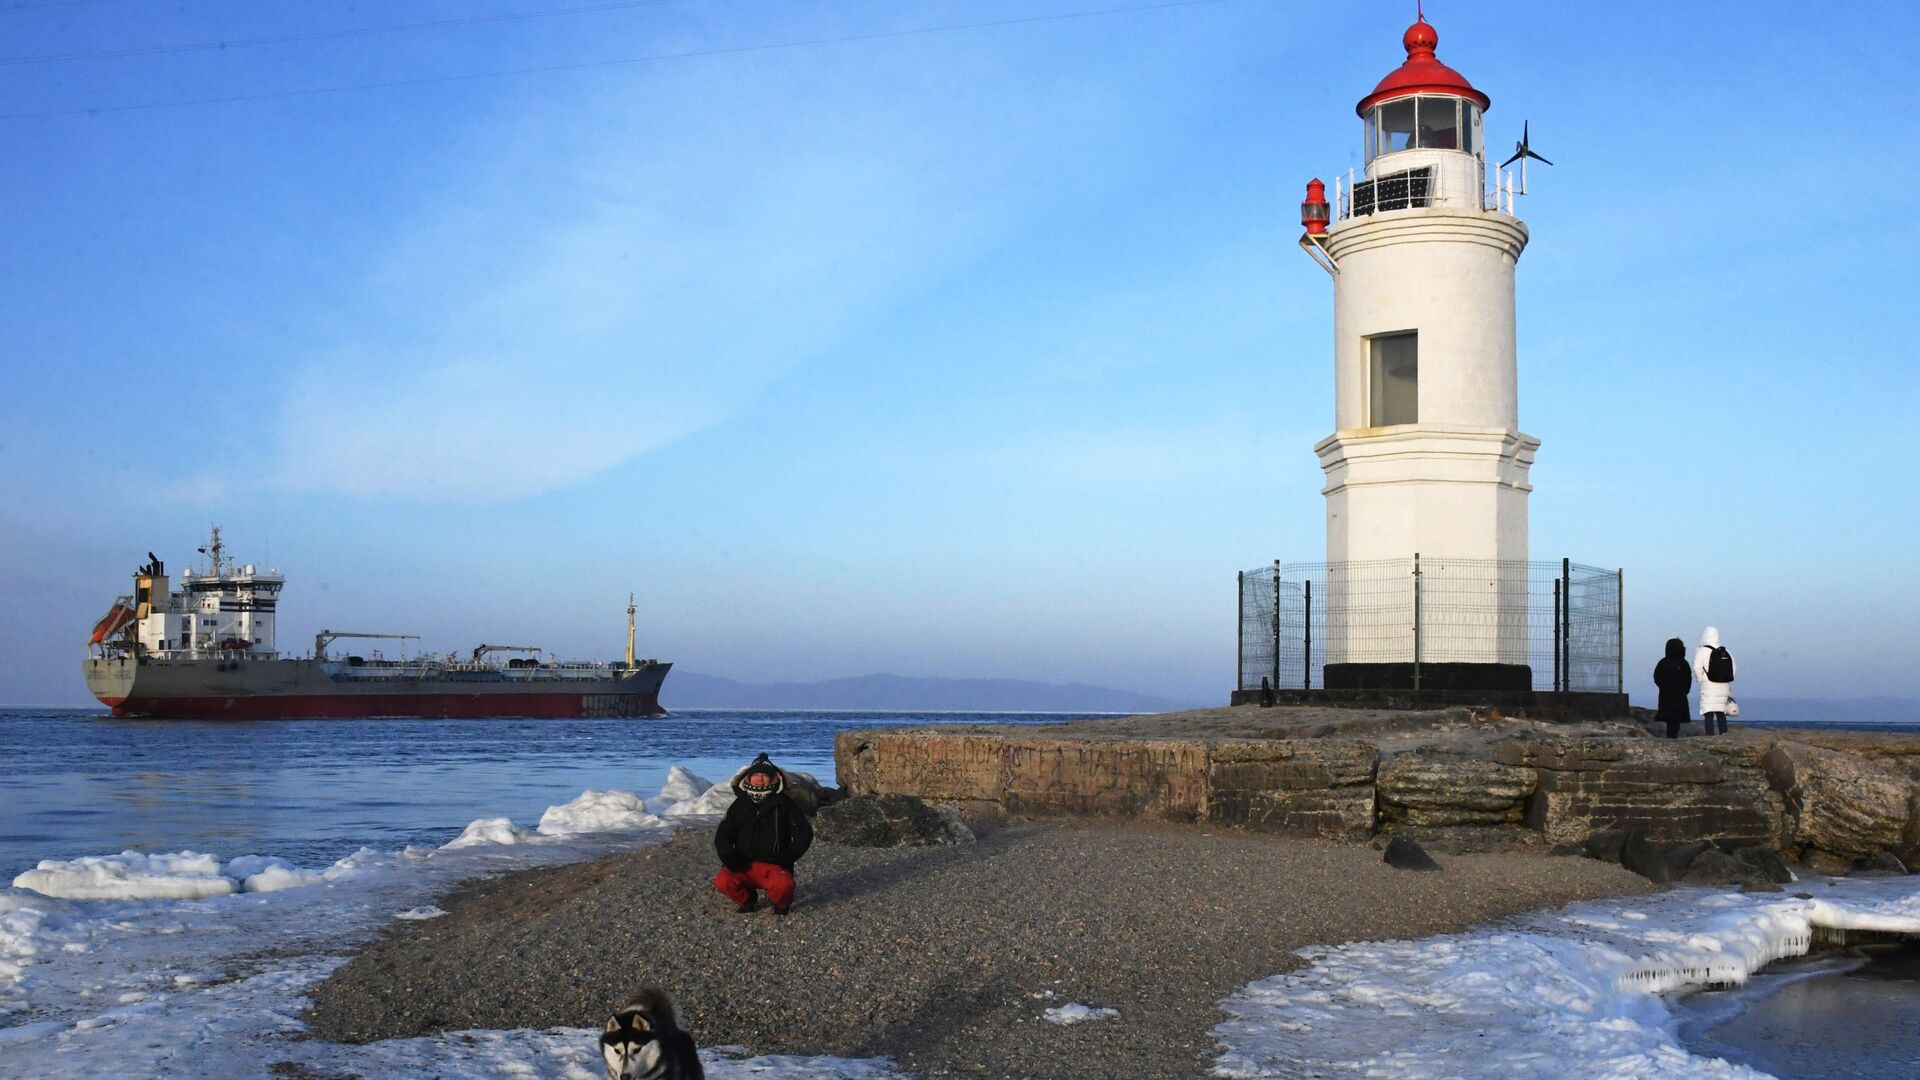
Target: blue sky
x=982 y=352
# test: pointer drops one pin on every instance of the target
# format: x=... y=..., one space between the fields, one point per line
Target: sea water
x=311 y=791
x=1833 y=1017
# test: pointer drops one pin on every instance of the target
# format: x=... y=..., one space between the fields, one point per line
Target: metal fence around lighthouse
x=1432 y=623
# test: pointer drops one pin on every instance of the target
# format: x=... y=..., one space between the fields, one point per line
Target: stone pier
x=1457 y=779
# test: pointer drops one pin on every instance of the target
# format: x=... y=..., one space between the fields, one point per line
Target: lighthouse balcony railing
x=1356 y=196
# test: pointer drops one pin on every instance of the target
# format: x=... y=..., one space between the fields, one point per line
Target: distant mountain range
x=1869 y=710
x=691 y=690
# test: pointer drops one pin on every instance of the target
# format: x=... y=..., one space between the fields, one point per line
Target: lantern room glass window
x=1397 y=120
x=1438 y=124
x=1393 y=379
x=1421 y=123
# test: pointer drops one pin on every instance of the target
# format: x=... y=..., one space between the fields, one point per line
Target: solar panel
x=1394 y=191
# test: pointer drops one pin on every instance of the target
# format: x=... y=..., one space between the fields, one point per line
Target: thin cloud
x=570 y=309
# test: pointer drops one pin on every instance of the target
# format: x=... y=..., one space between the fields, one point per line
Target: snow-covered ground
x=182 y=964
x=1574 y=992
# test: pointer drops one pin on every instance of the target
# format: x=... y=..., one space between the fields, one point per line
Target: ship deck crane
x=321 y=639
x=482 y=650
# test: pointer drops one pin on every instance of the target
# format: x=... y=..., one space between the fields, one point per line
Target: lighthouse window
x=1396 y=125
x=1427 y=123
x=1439 y=123
x=1393 y=378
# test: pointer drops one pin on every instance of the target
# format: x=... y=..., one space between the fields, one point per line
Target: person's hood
x=761 y=763
x=1676 y=649
x=1710 y=638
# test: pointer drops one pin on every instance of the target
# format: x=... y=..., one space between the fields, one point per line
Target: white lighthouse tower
x=1427 y=458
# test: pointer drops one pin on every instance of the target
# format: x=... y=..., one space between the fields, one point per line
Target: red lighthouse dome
x=1422 y=73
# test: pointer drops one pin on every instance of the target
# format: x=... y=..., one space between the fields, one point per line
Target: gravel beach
x=940 y=958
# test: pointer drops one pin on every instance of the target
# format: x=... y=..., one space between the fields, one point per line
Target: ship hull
x=300 y=689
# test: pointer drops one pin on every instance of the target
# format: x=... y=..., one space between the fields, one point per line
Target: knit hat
x=761 y=780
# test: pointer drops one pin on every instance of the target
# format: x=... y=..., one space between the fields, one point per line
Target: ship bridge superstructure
x=221 y=610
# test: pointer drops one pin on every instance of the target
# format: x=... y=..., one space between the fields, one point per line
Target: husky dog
x=643 y=1041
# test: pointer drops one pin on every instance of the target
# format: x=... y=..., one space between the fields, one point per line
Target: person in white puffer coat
x=1714 y=696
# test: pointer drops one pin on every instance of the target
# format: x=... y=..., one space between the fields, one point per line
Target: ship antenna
x=214 y=546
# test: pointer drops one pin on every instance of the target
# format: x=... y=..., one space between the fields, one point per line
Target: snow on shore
x=143 y=964
x=191 y=875
x=1574 y=992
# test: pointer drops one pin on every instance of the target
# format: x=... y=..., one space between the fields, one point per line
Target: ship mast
x=213 y=550
x=630 y=610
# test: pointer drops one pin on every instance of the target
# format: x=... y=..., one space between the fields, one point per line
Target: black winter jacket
x=772 y=831
x=1674 y=676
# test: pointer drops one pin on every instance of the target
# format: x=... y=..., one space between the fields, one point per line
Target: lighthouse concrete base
x=1496 y=678
x=1545 y=705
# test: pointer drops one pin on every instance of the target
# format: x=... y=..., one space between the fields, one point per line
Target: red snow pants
x=737 y=887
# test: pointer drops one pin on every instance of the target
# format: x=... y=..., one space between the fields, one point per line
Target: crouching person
x=762 y=836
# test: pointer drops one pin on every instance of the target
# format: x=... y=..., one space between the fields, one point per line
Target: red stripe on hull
x=411 y=706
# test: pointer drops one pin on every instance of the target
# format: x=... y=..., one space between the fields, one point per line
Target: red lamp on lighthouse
x=1314 y=211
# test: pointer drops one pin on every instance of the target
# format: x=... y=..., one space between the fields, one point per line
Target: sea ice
x=712 y=803
x=261 y=873
x=29 y=922
x=130 y=875
x=598 y=811
x=686 y=794
x=683 y=785
x=1575 y=992
x=491 y=830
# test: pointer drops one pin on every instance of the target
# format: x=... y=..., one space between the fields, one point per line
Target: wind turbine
x=1521 y=152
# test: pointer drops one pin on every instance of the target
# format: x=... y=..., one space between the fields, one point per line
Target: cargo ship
x=206 y=650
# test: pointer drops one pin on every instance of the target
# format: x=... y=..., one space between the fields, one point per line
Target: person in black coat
x=764 y=833
x=1674 y=676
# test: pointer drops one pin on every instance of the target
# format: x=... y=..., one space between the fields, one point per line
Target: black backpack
x=1720 y=665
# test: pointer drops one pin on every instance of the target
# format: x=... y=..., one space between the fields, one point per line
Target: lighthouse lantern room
x=1427 y=458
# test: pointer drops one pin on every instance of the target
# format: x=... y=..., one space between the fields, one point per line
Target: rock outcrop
x=1404 y=854
x=948 y=764
x=1162 y=779
x=1425 y=789
x=1302 y=787
x=1881 y=863
x=1840 y=805
x=1695 y=809
x=1666 y=790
